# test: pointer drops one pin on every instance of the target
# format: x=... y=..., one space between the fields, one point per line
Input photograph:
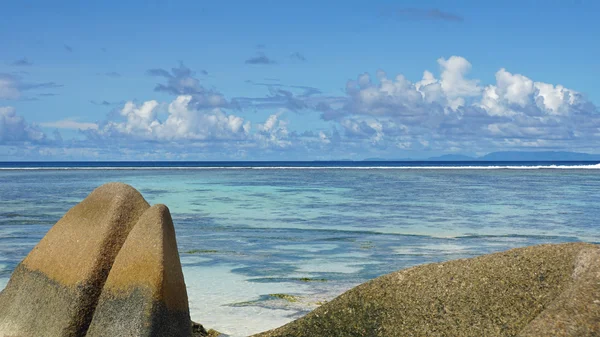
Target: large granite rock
x=145 y=293
x=547 y=290
x=54 y=290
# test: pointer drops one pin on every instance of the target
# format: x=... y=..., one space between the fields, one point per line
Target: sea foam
x=449 y=167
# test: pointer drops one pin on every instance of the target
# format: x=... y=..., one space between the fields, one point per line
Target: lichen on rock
x=546 y=290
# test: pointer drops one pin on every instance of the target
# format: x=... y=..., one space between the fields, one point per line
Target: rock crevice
x=57 y=290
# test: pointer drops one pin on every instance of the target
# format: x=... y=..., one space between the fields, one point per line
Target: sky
x=290 y=80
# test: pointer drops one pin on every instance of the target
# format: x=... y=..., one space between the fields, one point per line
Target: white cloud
x=270 y=123
x=183 y=122
x=390 y=97
x=273 y=132
x=72 y=124
x=445 y=111
x=324 y=138
x=400 y=97
x=140 y=120
x=453 y=88
x=186 y=122
x=556 y=100
x=511 y=94
x=516 y=94
x=14 y=128
x=454 y=111
x=516 y=89
x=371 y=129
x=454 y=83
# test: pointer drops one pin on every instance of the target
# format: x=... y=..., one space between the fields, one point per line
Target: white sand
x=211 y=288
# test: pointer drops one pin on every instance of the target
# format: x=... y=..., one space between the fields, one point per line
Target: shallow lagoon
x=245 y=235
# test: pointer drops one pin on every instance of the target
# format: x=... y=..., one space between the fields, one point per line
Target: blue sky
x=283 y=80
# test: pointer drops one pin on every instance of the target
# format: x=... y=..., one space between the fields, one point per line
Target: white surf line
x=473 y=167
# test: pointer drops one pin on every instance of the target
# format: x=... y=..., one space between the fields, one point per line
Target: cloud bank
x=454 y=112
x=378 y=114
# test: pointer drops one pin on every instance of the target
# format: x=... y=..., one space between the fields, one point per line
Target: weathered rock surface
x=54 y=290
x=199 y=331
x=547 y=290
x=145 y=293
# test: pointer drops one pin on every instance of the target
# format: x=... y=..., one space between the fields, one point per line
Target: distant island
x=508 y=156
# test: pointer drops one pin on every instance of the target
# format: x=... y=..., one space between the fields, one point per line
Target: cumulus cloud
x=446 y=110
x=183 y=122
x=178 y=128
x=191 y=123
x=379 y=114
x=515 y=94
x=14 y=128
x=399 y=97
x=274 y=132
x=455 y=111
x=362 y=129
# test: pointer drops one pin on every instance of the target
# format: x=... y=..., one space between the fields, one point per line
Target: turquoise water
x=313 y=233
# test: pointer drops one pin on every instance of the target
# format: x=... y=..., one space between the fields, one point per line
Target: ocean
x=262 y=243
